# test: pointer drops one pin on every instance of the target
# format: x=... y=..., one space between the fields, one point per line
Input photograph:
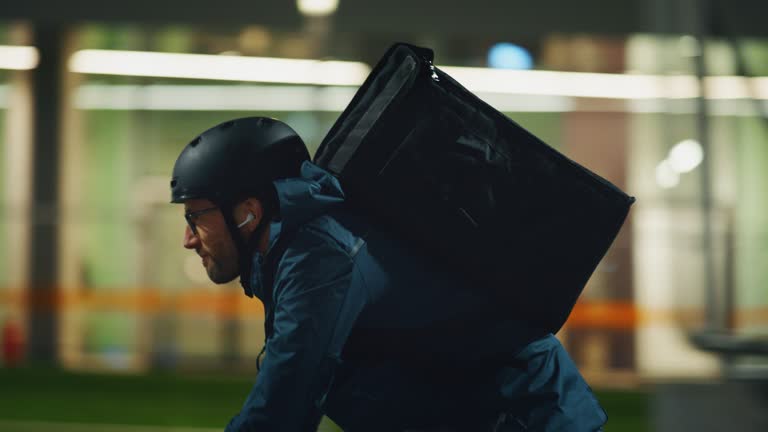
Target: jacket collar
x=301 y=199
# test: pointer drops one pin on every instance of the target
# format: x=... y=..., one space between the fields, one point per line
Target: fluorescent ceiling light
x=18 y=57
x=317 y=7
x=734 y=87
x=219 y=67
x=478 y=80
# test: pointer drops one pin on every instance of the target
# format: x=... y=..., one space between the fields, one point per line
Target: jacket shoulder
x=318 y=248
x=331 y=230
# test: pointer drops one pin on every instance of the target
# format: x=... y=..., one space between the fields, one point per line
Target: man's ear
x=254 y=207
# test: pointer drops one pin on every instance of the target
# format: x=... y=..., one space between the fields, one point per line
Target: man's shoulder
x=315 y=254
x=337 y=232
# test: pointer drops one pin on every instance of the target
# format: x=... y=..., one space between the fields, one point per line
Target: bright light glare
x=317 y=7
x=666 y=177
x=507 y=55
x=685 y=156
x=219 y=67
x=18 y=57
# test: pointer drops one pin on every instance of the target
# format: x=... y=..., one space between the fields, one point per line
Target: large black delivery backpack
x=435 y=164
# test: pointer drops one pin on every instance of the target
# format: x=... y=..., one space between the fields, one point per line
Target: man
x=360 y=327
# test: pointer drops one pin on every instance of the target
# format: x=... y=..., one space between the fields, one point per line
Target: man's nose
x=191 y=241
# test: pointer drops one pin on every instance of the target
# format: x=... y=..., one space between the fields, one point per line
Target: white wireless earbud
x=247 y=219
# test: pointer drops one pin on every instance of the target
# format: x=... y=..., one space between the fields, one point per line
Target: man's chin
x=220 y=278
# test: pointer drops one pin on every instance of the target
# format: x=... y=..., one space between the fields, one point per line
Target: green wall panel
x=752 y=214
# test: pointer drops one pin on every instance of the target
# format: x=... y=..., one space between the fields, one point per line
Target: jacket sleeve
x=550 y=394
x=312 y=320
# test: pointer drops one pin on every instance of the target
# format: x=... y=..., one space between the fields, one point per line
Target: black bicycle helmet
x=235 y=160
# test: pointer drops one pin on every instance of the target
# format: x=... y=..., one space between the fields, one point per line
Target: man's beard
x=218 y=273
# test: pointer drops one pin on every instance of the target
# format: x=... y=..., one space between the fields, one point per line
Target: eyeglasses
x=191 y=216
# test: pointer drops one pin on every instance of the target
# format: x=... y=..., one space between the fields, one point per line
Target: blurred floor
x=34 y=426
x=42 y=399
x=711 y=407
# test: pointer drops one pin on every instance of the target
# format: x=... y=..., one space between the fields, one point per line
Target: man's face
x=212 y=242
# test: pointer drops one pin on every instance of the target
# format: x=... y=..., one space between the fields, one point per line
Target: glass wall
x=134 y=299
x=750 y=239
x=683 y=284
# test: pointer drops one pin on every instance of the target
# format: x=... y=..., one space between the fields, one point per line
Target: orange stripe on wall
x=613 y=315
x=145 y=300
x=229 y=303
x=627 y=316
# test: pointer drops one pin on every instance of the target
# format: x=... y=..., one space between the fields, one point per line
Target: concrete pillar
x=47 y=90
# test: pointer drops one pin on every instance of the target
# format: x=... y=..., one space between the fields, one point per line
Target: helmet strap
x=245 y=248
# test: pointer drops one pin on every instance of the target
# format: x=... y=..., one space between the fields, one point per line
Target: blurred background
x=105 y=320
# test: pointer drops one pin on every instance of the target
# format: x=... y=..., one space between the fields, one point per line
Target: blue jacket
x=373 y=335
